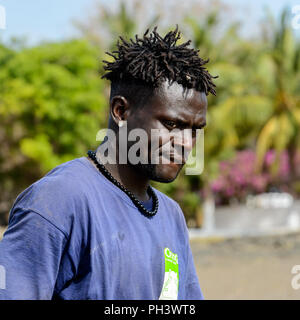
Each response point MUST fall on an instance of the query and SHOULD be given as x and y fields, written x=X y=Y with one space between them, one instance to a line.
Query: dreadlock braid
x=153 y=59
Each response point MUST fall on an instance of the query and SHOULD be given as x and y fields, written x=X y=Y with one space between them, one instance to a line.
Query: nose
x=183 y=141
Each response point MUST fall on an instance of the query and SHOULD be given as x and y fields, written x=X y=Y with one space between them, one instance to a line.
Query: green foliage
x=281 y=129
x=52 y=104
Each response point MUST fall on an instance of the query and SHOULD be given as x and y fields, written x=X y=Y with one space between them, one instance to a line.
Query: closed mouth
x=173 y=158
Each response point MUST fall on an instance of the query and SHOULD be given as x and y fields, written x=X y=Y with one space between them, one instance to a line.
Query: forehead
x=173 y=99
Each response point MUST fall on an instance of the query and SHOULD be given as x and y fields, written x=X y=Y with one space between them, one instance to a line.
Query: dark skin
x=170 y=107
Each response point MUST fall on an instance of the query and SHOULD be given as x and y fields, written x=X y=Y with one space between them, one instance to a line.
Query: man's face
x=170 y=108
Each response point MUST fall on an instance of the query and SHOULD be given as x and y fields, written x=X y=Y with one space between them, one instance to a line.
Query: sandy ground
x=248 y=268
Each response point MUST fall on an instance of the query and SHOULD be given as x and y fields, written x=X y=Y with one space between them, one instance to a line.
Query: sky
x=39 y=20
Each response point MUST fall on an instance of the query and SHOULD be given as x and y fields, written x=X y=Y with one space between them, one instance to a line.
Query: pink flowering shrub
x=237 y=177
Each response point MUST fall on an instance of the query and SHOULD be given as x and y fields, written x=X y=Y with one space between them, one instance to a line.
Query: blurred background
x=243 y=211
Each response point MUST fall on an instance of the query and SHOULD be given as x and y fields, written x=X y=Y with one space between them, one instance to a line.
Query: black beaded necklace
x=136 y=202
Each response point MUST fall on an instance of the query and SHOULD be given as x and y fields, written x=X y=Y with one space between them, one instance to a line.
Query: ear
x=119 y=108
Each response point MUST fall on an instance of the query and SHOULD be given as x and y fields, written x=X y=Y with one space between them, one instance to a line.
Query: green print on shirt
x=171 y=279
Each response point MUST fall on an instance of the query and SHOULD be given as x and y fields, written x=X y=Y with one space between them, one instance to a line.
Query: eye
x=170 y=124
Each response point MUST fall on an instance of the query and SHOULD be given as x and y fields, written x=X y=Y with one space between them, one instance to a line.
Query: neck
x=128 y=176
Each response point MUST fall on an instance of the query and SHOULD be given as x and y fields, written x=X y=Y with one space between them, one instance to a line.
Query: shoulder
x=172 y=214
x=166 y=199
x=57 y=195
x=172 y=206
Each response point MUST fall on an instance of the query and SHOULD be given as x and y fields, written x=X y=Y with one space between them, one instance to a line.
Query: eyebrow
x=182 y=122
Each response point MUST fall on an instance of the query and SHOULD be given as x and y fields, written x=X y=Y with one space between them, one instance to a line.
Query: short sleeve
x=30 y=255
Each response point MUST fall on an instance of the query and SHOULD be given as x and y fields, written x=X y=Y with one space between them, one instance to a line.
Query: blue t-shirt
x=74 y=235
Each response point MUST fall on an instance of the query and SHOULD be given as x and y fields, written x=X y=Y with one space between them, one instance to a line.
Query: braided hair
x=153 y=59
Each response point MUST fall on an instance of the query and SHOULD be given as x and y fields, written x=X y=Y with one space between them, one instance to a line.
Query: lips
x=173 y=158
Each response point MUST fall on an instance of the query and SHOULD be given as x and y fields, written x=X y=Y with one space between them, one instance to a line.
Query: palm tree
x=282 y=87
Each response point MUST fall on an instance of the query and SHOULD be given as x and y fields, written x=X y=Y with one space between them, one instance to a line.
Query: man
x=93 y=228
